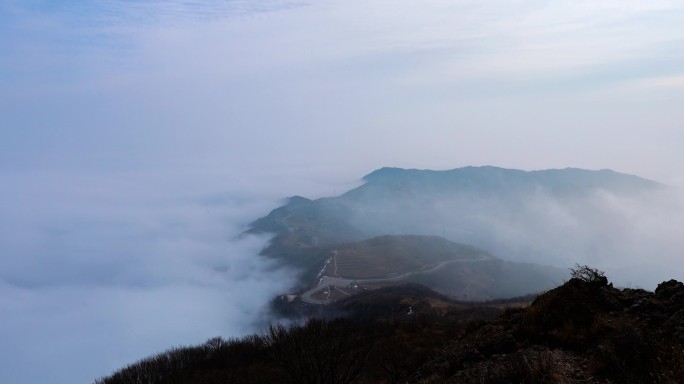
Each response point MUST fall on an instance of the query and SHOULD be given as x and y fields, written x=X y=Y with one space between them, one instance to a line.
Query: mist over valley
x=553 y=218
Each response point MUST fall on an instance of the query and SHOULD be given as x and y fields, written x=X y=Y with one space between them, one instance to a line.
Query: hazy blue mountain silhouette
x=500 y=181
x=552 y=217
x=394 y=200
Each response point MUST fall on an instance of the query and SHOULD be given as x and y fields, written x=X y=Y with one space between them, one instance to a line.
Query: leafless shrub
x=588 y=274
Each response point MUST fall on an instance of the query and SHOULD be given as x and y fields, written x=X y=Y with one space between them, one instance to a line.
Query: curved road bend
x=336 y=282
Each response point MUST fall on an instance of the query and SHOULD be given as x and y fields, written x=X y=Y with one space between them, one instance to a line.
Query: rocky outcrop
x=581 y=331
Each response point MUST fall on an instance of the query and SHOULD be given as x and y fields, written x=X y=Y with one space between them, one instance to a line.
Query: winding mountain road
x=336 y=282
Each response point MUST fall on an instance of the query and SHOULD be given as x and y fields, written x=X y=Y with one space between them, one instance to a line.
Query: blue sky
x=139 y=137
x=152 y=81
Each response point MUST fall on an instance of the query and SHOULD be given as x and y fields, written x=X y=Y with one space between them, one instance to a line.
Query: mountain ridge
x=457 y=270
x=550 y=217
x=493 y=177
x=503 y=211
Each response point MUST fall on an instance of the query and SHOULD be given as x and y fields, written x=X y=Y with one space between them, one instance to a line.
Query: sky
x=139 y=138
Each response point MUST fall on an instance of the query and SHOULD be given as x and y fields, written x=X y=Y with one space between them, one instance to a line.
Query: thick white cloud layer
x=98 y=271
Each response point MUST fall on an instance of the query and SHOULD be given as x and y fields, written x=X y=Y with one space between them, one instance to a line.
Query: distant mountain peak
x=496 y=177
x=296 y=199
x=385 y=172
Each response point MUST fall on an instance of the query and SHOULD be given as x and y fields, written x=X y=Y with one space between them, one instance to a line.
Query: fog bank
x=98 y=271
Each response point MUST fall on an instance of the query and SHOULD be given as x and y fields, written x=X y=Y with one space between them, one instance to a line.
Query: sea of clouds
x=100 y=270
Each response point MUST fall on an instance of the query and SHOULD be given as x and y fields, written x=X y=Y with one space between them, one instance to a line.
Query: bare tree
x=320 y=352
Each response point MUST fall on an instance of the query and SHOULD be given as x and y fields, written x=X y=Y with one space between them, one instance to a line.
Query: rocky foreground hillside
x=585 y=331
